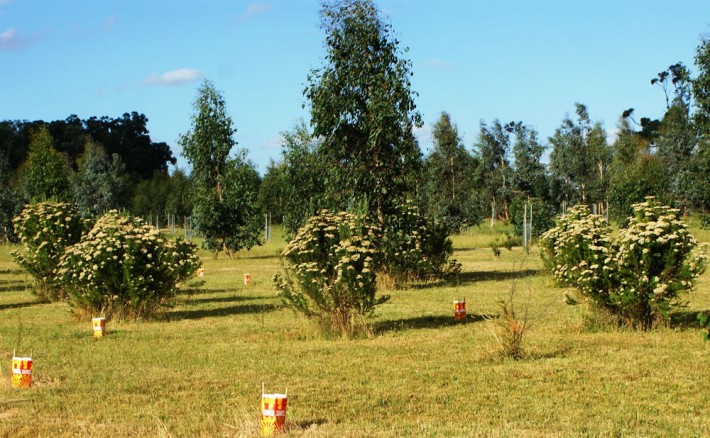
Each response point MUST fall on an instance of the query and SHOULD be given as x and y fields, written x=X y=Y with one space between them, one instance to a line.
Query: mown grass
x=198 y=370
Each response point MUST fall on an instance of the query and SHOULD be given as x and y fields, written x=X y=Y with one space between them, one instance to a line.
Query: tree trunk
x=225 y=248
x=380 y=211
x=453 y=180
x=493 y=213
x=583 y=193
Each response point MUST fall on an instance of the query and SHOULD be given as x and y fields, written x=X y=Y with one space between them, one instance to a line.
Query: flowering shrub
x=416 y=249
x=45 y=229
x=125 y=268
x=639 y=275
x=576 y=251
x=330 y=271
x=653 y=263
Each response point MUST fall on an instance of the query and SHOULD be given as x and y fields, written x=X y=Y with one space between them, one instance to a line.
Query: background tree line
x=668 y=158
x=99 y=164
x=359 y=153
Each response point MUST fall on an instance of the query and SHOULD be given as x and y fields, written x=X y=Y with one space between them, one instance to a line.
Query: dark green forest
x=354 y=155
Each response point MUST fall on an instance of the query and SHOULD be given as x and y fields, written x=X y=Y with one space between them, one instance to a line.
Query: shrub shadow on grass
x=686 y=319
x=229 y=299
x=465 y=249
x=257 y=257
x=306 y=425
x=19 y=305
x=12 y=285
x=428 y=322
x=12 y=271
x=495 y=357
x=427 y=284
x=190 y=292
x=243 y=309
x=552 y=354
x=470 y=277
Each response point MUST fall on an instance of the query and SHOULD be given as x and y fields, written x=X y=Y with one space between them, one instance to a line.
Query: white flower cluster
x=331 y=266
x=654 y=257
x=123 y=262
x=640 y=273
x=578 y=248
x=45 y=229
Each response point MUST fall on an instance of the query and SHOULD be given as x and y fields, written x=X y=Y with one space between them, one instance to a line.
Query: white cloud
x=611 y=135
x=273 y=143
x=120 y=88
x=424 y=136
x=250 y=12
x=439 y=63
x=108 y=23
x=11 y=39
x=176 y=77
x=255 y=9
x=8 y=36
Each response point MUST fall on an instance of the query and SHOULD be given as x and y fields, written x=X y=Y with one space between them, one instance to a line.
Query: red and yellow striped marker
x=459 y=309
x=21 y=372
x=99 y=327
x=273 y=413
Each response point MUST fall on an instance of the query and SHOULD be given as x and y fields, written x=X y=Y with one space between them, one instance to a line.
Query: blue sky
x=520 y=60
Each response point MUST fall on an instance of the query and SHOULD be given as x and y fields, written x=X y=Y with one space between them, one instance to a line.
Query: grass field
x=198 y=371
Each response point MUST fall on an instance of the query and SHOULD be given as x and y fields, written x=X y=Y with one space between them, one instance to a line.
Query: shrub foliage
x=330 y=272
x=415 y=248
x=639 y=275
x=654 y=262
x=45 y=230
x=576 y=251
x=124 y=268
